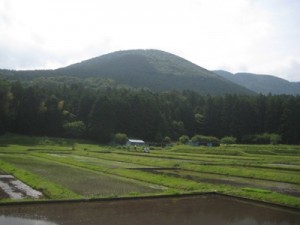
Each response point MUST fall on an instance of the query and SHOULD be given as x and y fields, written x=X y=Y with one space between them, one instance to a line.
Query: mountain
x=153 y=69
x=296 y=84
x=264 y=84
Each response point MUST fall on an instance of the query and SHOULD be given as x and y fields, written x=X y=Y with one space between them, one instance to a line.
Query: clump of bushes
x=228 y=140
x=184 y=139
x=205 y=140
x=74 y=129
x=265 y=138
x=167 y=140
x=120 y=138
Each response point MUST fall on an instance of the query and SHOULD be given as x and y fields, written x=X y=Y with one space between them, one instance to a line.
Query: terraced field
x=62 y=171
x=77 y=179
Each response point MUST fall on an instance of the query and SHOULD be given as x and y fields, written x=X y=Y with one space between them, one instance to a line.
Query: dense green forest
x=75 y=109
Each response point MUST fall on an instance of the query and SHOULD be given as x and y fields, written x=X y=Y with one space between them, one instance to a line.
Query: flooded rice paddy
x=188 y=210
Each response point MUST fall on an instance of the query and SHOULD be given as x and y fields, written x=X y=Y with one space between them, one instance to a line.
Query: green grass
x=72 y=169
x=241 y=150
x=8 y=139
x=241 y=170
x=257 y=190
x=101 y=162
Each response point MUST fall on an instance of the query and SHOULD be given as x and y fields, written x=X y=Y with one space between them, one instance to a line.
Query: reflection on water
x=7 y=220
x=211 y=209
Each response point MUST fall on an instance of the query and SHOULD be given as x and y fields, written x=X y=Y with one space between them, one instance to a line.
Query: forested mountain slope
x=154 y=69
x=98 y=114
x=264 y=84
x=151 y=69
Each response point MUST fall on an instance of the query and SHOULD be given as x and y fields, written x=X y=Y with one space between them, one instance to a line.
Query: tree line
x=77 y=111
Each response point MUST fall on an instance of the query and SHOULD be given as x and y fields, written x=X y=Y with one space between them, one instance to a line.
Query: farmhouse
x=135 y=142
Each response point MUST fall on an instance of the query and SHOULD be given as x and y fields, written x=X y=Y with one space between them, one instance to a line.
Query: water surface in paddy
x=210 y=209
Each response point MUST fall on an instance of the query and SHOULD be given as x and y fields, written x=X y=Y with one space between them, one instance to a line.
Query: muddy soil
x=192 y=210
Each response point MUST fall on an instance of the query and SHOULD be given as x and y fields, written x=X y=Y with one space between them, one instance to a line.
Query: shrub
x=167 y=140
x=205 y=140
x=265 y=138
x=275 y=139
x=184 y=139
x=262 y=138
x=74 y=129
x=228 y=140
x=121 y=138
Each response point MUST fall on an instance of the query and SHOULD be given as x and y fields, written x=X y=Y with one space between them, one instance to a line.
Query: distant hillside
x=263 y=84
x=152 y=69
x=296 y=84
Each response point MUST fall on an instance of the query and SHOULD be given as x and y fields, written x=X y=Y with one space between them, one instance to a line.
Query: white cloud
x=216 y=34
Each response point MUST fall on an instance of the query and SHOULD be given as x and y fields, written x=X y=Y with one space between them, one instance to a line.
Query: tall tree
x=102 y=120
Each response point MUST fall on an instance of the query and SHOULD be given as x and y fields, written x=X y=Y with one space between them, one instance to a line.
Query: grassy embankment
x=68 y=169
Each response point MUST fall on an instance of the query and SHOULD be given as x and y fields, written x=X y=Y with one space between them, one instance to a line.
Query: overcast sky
x=259 y=36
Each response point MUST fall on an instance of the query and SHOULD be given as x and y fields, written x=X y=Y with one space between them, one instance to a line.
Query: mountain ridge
x=262 y=83
x=152 y=69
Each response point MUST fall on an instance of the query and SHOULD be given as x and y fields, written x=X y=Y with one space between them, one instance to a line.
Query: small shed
x=135 y=142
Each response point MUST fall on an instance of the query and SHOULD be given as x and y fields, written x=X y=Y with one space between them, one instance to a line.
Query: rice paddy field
x=65 y=169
